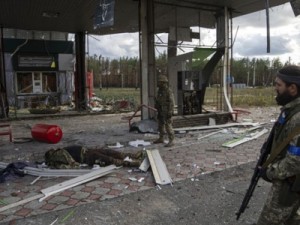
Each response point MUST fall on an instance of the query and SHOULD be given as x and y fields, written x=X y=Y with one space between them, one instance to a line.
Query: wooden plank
x=159 y=169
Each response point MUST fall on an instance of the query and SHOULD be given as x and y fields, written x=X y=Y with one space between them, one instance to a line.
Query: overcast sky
x=250 y=31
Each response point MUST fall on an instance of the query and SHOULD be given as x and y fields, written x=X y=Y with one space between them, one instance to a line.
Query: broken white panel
x=159 y=169
x=255 y=135
x=247 y=130
x=141 y=179
x=211 y=121
x=217 y=126
x=210 y=134
x=145 y=165
x=46 y=172
x=132 y=178
x=63 y=186
x=127 y=159
x=247 y=120
x=23 y=201
x=139 y=143
x=35 y=180
x=118 y=145
x=77 y=181
x=180 y=34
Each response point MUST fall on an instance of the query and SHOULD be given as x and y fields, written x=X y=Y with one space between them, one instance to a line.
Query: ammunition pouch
x=289 y=191
x=295 y=184
x=264 y=176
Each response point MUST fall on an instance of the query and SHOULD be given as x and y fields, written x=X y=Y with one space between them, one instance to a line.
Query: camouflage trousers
x=105 y=157
x=165 y=125
x=274 y=212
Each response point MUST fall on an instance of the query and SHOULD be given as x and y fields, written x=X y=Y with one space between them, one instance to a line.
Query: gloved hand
x=264 y=175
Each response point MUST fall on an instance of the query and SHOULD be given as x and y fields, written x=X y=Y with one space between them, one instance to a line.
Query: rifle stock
x=265 y=150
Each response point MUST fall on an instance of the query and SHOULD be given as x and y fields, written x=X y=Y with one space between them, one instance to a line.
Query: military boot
x=134 y=163
x=137 y=155
x=140 y=155
x=159 y=140
x=170 y=144
x=118 y=162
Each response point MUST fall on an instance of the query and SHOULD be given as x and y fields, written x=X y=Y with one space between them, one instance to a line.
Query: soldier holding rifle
x=279 y=162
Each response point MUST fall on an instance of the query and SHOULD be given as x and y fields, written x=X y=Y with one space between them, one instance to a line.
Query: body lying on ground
x=70 y=157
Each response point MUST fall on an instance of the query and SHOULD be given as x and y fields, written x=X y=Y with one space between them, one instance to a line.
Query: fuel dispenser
x=189 y=92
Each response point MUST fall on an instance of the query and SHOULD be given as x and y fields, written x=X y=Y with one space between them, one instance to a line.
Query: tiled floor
x=188 y=158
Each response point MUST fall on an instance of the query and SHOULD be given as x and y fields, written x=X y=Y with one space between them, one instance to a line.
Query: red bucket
x=46 y=133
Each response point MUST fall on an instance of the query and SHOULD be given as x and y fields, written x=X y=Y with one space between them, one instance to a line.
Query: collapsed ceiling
x=73 y=16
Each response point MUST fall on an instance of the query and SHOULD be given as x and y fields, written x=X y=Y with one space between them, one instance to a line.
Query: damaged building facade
x=39 y=68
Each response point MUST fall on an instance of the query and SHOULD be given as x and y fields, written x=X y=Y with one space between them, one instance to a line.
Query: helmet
x=162 y=78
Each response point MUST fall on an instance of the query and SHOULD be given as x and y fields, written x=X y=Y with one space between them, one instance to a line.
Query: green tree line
x=125 y=71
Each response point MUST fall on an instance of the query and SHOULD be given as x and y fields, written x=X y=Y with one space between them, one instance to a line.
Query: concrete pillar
x=148 y=78
x=223 y=42
x=4 y=108
x=80 y=73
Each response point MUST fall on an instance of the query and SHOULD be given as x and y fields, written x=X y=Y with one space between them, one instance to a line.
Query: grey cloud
x=114 y=46
x=278 y=16
x=257 y=45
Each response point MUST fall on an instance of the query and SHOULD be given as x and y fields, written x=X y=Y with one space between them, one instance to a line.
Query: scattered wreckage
x=153 y=160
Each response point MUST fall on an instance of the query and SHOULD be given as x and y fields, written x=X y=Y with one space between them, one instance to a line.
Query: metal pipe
x=268 y=25
x=225 y=61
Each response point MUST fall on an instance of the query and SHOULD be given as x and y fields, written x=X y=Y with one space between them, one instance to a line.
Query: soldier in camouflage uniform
x=71 y=157
x=164 y=103
x=284 y=172
x=60 y=159
x=105 y=157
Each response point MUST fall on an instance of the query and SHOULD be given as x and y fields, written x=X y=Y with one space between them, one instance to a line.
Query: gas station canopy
x=73 y=16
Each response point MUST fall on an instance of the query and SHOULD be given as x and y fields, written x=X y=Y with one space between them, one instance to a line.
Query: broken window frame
x=46 y=82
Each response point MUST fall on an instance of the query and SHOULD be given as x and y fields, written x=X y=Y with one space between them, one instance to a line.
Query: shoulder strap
x=281 y=146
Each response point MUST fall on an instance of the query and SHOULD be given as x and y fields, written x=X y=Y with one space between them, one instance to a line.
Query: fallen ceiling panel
x=78 y=15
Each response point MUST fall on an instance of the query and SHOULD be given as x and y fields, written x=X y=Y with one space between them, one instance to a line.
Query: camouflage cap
x=162 y=78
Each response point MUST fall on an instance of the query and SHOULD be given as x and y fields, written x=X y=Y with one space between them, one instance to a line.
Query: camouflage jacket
x=60 y=159
x=287 y=163
x=164 y=102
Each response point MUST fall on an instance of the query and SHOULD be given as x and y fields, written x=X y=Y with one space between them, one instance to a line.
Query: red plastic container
x=46 y=133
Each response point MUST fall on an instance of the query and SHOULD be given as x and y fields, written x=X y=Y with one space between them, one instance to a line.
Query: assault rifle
x=265 y=150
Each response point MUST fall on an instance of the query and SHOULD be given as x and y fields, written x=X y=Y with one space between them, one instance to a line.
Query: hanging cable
x=20 y=46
